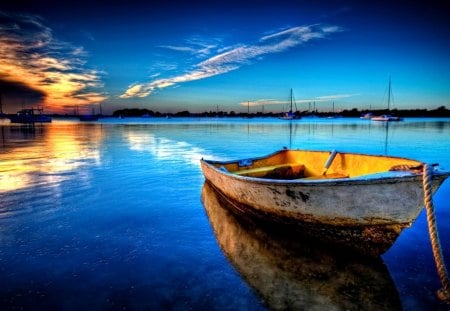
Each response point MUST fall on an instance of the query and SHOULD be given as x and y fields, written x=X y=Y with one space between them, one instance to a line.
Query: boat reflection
x=293 y=273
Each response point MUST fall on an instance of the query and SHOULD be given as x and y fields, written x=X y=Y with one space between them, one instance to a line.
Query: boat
x=333 y=115
x=2 y=115
x=289 y=271
x=249 y=116
x=33 y=115
x=289 y=115
x=367 y=116
x=88 y=117
x=357 y=200
x=387 y=117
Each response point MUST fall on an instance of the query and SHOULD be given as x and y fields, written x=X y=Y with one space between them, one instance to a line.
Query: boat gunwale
x=359 y=180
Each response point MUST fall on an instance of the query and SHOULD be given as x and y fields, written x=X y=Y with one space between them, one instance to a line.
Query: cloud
x=17 y=89
x=195 y=46
x=332 y=97
x=179 y=48
x=31 y=57
x=135 y=91
x=233 y=58
x=264 y=102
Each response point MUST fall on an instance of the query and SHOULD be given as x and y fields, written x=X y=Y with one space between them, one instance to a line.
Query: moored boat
x=290 y=115
x=33 y=115
x=88 y=117
x=357 y=199
x=386 y=117
x=367 y=116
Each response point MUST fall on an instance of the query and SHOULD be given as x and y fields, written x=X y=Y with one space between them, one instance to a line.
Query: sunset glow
x=195 y=56
x=65 y=151
x=45 y=65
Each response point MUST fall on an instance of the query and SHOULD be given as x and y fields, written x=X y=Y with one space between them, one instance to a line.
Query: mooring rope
x=444 y=292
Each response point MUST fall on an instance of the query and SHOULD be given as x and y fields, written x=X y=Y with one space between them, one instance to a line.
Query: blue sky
x=168 y=57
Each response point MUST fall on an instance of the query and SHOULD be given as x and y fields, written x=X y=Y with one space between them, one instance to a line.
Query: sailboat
x=33 y=115
x=334 y=116
x=387 y=117
x=367 y=116
x=2 y=115
x=89 y=117
x=248 y=110
x=289 y=115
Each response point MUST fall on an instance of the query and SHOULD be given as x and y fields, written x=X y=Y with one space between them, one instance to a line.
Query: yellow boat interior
x=296 y=164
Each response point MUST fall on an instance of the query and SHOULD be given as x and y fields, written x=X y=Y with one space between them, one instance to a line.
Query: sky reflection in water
x=109 y=214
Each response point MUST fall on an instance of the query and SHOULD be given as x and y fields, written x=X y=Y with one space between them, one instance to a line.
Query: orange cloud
x=29 y=55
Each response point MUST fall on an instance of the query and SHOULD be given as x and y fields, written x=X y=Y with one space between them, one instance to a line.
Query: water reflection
x=165 y=149
x=34 y=155
x=289 y=273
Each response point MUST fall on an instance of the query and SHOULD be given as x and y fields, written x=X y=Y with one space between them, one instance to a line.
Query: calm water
x=109 y=216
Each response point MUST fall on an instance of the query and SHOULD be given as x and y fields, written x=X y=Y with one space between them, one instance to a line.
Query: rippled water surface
x=109 y=215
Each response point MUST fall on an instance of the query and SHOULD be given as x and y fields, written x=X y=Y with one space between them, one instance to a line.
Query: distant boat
x=88 y=117
x=289 y=115
x=33 y=115
x=334 y=116
x=358 y=200
x=2 y=115
x=387 y=117
x=248 y=110
x=367 y=116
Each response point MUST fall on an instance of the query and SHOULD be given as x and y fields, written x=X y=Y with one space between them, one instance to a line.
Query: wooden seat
x=327 y=176
x=273 y=171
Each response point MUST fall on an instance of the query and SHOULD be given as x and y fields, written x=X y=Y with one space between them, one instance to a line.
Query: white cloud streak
x=195 y=46
x=233 y=58
x=265 y=102
x=179 y=48
x=337 y=96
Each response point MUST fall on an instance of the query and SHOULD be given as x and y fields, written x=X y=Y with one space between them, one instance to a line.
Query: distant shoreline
x=441 y=112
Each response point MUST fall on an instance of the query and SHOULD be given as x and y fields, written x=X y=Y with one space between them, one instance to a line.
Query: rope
x=444 y=292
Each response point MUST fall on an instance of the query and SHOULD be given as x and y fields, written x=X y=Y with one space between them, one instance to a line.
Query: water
x=108 y=216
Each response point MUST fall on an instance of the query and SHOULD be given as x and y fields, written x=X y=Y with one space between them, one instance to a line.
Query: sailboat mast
x=291 y=99
x=389 y=94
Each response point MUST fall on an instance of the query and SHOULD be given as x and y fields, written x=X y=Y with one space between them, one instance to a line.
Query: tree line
x=441 y=111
